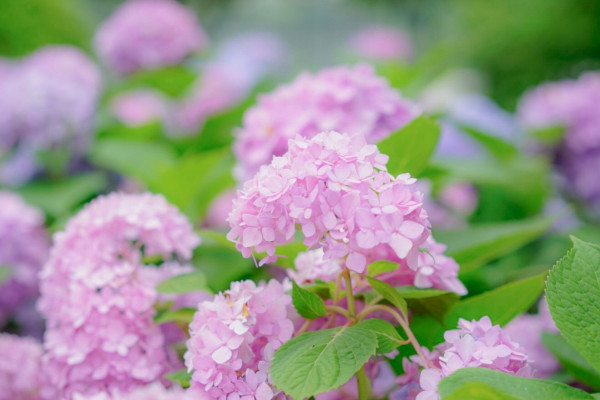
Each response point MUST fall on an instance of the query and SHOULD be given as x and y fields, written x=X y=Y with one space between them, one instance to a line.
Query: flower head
x=233 y=337
x=382 y=43
x=148 y=34
x=353 y=101
x=98 y=292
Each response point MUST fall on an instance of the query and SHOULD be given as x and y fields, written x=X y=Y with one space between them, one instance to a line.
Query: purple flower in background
x=381 y=43
x=139 y=107
x=148 y=34
x=351 y=100
x=527 y=330
x=24 y=250
x=48 y=101
x=21 y=373
x=99 y=297
x=575 y=106
x=239 y=64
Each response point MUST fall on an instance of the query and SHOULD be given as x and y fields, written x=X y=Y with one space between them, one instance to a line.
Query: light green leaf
x=573 y=295
x=549 y=136
x=181 y=377
x=288 y=253
x=5 y=274
x=138 y=159
x=478 y=244
x=172 y=80
x=183 y=315
x=411 y=147
x=501 y=304
x=381 y=267
x=488 y=384
x=184 y=283
x=389 y=293
x=62 y=197
x=498 y=147
x=316 y=362
x=388 y=338
x=571 y=361
x=308 y=304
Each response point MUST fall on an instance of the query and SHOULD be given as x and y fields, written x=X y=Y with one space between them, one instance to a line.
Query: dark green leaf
x=308 y=304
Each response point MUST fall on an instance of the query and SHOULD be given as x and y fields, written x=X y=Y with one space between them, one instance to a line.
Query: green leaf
x=431 y=302
x=172 y=80
x=388 y=338
x=62 y=197
x=5 y=274
x=308 y=304
x=389 y=293
x=316 y=362
x=501 y=304
x=572 y=361
x=478 y=244
x=498 y=147
x=138 y=159
x=411 y=147
x=381 y=267
x=184 y=283
x=488 y=384
x=195 y=180
x=288 y=253
x=181 y=377
x=183 y=315
x=573 y=295
x=550 y=136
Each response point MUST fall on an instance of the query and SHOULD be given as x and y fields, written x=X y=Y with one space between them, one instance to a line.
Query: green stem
x=364 y=384
x=349 y=294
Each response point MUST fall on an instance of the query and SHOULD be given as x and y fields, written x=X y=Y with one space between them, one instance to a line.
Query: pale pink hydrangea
x=21 y=373
x=219 y=209
x=98 y=295
x=148 y=34
x=233 y=337
x=139 y=107
x=48 y=101
x=23 y=250
x=351 y=100
x=473 y=344
x=154 y=391
x=527 y=330
x=312 y=266
x=336 y=189
x=382 y=43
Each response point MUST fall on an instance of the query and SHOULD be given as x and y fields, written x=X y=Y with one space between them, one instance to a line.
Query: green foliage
x=172 y=80
x=573 y=295
x=316 y=362
x=571 y=361
x=59 y=198
x=431 y=302
x=381 y=267
x=411 y=147
x=183 y=315
x=501 y=304
x=476 y=245
x=488 y=384
x=184 y=283
x=308 y=304
x=496 y=146
x=389 y=293
x=181 y=377
x=388 y=338
x=5 y=274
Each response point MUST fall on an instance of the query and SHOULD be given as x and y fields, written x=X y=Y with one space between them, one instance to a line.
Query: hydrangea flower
x=572 y=104
x=473 y=344
x=153 y=391
x=233 y=337
x=21 y=373
x=382 y=43
x=48 y=102
x=98 y=294
x=351 y=100
x=24 y=250
x=527 y=330
x=336 y=189
x=312 y=266
x=148 y=34
x=139 y=107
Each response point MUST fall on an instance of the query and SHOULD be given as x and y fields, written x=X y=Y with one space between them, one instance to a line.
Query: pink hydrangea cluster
x=21 y=373
x=98 y=293
x=382 y=43
x=311 y=266
x=154 y=391
x=336 y=188
x=233 y=337
x=473 y=344
x=527 y=330
x=572 y=104
x=139 y=107
x=24 y=250
x=148 y=34
x=351 y=100
x=48 y=101
x=452 y=205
